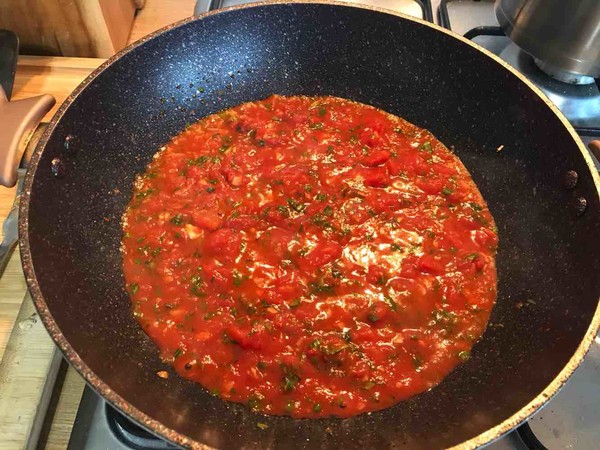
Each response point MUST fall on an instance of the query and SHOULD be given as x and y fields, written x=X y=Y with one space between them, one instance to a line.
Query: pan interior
x=547 y=297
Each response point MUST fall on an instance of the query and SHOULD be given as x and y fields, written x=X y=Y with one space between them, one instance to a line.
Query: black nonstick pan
x=526 y=159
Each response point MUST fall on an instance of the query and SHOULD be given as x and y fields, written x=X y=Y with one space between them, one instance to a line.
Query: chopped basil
x=238 y=278
x=373 y=317
x=177 y=219
x=289 y=382
x=322 y=111
x=368 y=385
x=284 y=211
x=255 y=401
x=197 y=291
x=317 y=407
x=134 y=288
x=145 y=193
x=321 y=197
x=417 y=361
x=320 y=287
x=346 y=335
x=465 y=355
x=427 y=147
x=335 y=272
x=177 y=353
x=391 y=303
x=447 y=191
x=296 y=206
x=210 y=189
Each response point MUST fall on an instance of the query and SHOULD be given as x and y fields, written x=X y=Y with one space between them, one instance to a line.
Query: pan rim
x=176 y=437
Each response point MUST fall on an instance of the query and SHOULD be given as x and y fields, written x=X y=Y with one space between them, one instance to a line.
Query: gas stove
x=570 y=420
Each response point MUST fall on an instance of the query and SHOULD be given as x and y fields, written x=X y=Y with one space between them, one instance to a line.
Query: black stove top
x=570 y=420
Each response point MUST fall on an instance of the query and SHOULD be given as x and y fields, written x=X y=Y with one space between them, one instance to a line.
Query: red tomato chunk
x=310 y=257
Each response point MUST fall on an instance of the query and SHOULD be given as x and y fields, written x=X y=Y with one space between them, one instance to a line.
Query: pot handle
x=594 y=147
x=18 y=121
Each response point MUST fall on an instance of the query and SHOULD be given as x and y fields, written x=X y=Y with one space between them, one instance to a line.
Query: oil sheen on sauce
x=310 y=256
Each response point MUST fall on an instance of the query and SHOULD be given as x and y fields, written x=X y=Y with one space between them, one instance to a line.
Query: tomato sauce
x=310 y=256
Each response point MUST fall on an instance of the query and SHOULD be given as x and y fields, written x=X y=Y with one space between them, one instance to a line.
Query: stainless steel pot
x=562 y=35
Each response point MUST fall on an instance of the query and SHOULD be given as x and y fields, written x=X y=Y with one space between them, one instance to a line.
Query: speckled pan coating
x=545 y=318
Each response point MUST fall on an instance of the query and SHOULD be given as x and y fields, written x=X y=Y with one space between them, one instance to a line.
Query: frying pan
x=526 y=159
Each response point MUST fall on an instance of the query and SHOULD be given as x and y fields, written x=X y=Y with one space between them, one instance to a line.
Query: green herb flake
x=322 y=111
x=391 y=302
x=368 y=385
x=134 y=288
x=177 y=353
x=417 y=362
x=317 y=408
x=320 y=287
x=289 y=382
x=197 y=291
x=238 y=278
x=447 y=191
x=177 y=219
x=262 y=425
x=284 y=211
x=465 y=355
x=295 y=303
x=255 y=403
x=373 y=317
x=295 y=205
x=145 y=193
x=471 y=257
x=346 y=335
x=210 y=189
x=321 y=197
x=427 y=147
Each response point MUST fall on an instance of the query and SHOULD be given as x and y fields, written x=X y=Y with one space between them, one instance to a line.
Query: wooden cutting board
x=29 y=360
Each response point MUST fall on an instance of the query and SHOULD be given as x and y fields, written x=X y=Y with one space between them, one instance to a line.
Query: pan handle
x=18 y=121
x=594 y=147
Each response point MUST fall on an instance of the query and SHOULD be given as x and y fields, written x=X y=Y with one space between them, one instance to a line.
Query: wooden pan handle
x=594 y=147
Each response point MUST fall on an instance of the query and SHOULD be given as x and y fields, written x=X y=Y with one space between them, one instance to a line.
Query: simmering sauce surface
x=310 y=256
